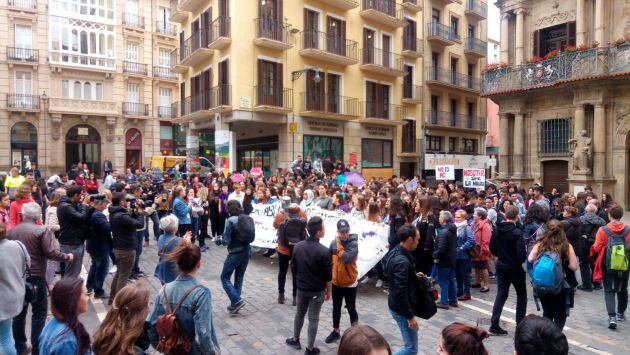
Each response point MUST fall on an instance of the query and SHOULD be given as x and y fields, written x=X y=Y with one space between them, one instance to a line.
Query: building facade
x=275 y=79
x=565 y=102
x=86 y=82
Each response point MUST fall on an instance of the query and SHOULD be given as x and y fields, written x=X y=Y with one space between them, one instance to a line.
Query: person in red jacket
x=22 y=195
x=615 y=282
x=482 y=228
x=91 y=185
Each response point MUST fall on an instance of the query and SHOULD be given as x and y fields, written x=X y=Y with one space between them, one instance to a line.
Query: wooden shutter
x=571 y=33
x=535 y=44
x=223 y=8
x=182 y=98
x=279 y=85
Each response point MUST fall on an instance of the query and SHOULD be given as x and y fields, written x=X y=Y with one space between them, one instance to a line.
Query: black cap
x=343 y=226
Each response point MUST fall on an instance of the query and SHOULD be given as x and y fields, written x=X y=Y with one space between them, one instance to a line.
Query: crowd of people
x=456 y=238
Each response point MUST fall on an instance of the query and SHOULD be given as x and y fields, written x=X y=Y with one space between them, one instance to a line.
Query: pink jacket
x=483 y=233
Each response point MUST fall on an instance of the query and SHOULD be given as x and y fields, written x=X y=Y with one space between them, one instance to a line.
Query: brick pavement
x=263 y=325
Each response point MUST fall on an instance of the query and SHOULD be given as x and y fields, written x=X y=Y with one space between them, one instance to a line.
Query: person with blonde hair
x=123 y=331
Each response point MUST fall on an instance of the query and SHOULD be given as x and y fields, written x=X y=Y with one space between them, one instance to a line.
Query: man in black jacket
x=73 y=217
x=590 y=224
x=124 y=225
x=508 y=245
x=98 y=246
x=445 y=256
x=403 y=286
x=313 y=267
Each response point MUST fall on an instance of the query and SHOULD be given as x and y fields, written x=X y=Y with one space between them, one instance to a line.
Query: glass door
x=23 y=89
x=23 y=42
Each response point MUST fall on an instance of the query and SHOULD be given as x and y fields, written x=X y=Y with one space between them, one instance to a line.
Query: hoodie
x=309 y=200
x=598 y=250
x=508 y=245
x=590 y=223
x=572 y=228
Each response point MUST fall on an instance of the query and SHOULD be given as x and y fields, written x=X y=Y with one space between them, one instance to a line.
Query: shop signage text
x=459 y=161
x=379 y=132
x=323 y=127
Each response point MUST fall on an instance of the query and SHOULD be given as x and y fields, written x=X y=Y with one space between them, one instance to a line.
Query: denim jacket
x=181 y=210
x=234 y=246
x=58 y=339
x=465 y=241
x=195 y=314
x=166 y=271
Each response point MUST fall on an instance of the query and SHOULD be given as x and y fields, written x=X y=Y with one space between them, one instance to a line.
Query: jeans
x=616 y=285
x=586 y=265
x=194 y=227
x=139 y=240
x=156 y=226
x=504 y=280
x=7 y=345
x=409 y=336
x=98 y=271
x=310 y=301
x=448 y=290
x=237 y=264
x=285 y=261
x=124 y=267
x=555 y=308
x=38 y=320
x=350 y=295
x=73 y=268
x=462 y=274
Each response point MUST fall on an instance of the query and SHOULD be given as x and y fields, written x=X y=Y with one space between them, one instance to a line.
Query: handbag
x=424 y=306
x=31 y=290
x=475 y=250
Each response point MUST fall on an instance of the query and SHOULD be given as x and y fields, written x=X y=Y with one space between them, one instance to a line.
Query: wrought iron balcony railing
x=23 y=101
x=476 y=45
x=445 y=76
x=132 y=20
x=477 y=6
x=220 y=28
x=135 y=109
x=436 y=29
x=382 y=110
x=197 y=40
x=412 y=92
x=329 y=104
x=273 y=96
x=23 y=4
x=329 y=43
x=165 y=28
x=271 y=29
x=383 y=58
x=166 y=111
x=207 y=100
x=387 y=7
x=15 y=54
x=412 y=44
x=135 y=68
x=453 y=120
x=164 y=73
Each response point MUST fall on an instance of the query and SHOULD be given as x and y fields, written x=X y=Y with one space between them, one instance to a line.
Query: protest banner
x=444 y=172
x=372 y=237
x=474 y=178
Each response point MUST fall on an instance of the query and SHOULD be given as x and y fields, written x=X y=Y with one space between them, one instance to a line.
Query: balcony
x=165 y=29
x=83 y=107
x=412 y=5
x=446 y=78
x=167 y=111
x=385 y=12
x=60 y=59
x=412 y=47
x=133 y=21
x=195 y=49
x=381 y=113
x=329 y=48
x=201 y=105
x=342 y=4
x=442 y=119
x=23 y=5
x=164 y=73
x=22 y=103
x=591 y=64
x=445 y=2
x=191 y=5
x=220 y=34
x=273 y=99
x=441 y=35
x=382 y=62
x=22 y=56
x=177 y=14
x=332 y=107
x=410 y=147
x=135 y=68
x=412 y=94
x=272 y=34
x=135 y=109
x=476 y=9
x=176 y=66
x=475 y=48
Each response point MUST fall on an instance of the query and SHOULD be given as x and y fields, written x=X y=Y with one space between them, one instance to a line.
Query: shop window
x=322 y=146
x=376 y=153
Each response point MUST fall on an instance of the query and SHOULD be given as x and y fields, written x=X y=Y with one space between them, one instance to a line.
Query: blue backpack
x=547 y=274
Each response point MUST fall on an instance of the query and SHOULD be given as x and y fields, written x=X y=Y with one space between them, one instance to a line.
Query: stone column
x=519 y=133
x=580 y=22
x=503 y=145
x=505 y=29
x=520 y=34
x=599 y=21
x=599 y=141
x=578 y=122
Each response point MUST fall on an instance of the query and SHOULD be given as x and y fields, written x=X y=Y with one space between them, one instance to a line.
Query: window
x=409 y=137
x=554 y=136
x=65 y=89
x=133 y=92
x=452 y=143
x=455 y=25
x=376 y=153
x=87 y=91
x=434 y=143
x=435 y=15
x=84 y=42
x=23 y=37
x=132 y=52
x=77 y=90
x=469 y=145
x=99 y=91
x=322 y=146
x=75 y=40
x=164 y=58
x=377 y=100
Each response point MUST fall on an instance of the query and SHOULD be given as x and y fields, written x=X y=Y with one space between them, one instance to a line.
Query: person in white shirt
x=111 y=179
x=237 y=194
x=318 y=166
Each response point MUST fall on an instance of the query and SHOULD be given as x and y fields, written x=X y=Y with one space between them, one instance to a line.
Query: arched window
x=84 y=42
x=64 y=39
x=76 y=90
x=101 y=44
x=87 y=91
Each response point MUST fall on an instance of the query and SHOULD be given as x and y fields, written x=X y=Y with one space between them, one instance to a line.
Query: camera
x=97 y=197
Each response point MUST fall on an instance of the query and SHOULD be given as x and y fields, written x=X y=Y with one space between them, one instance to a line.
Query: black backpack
x=292 y=231
x=245 y=229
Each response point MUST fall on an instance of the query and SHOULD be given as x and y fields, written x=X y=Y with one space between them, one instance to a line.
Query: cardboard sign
x=474 y=178
x=444 y=172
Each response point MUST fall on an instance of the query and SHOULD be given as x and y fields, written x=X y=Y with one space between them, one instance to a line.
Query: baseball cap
x=343 y=226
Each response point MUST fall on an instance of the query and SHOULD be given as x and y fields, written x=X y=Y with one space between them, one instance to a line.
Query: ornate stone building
x=564 y=70
x=85 y=82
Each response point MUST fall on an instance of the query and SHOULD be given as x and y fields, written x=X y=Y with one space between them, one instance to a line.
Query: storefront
x=83 y=144
x=377 y=151
x=258 y=152
x=206 y=145
x=133 y=149
x=179 y=141
x=323 y=139
x=23 y=144
x=166 y=138
x=458 y=161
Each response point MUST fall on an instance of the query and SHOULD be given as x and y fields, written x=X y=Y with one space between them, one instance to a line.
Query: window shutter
x=536 y=50
x=571 y=33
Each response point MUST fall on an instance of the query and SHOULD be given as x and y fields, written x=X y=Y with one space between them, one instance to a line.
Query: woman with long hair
x=204 y=216
x=214 y=208
x=572 y=226
x=64 y=333
x=363 y=340
x=339 y=203
x=606 y=201
x=374 y=213
x=482 y=228
x=360 y=206
x=123 y=331
x=24 y=194
x=181 y=210
x=462 y=339
x=195 y=210
x=397 y=219
x=534 y=224
x=91 y=185
x=425 y=221
x=555 y=241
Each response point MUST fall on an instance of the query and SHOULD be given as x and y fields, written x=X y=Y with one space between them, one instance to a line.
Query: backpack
x=292 y=231
x=617 y=250
x=245 y=229
x=171 y=341
x=547 y=274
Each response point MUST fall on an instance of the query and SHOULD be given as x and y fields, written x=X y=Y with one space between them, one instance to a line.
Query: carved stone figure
x=582 y=152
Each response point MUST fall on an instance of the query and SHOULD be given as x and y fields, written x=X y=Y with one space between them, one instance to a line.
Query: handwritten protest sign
x=372 y=237
x=444 y=172
x=474 y=178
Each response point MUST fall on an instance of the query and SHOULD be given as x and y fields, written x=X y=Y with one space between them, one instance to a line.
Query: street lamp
x=44 y=98
x=295 y=75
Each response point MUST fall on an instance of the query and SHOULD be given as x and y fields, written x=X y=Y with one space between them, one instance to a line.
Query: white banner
x=474 y=178
x=372 y=236
x=444 y=172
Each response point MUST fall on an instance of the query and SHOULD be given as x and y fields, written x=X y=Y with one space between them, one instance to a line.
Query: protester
x=99 y=246
x=38 y=243
x=13 y=181
x=22 y=196
x=124 y=329
x=64 y=333
x=313 y=267
x=591 y=223
x=14 y=261
x=166 y=270
x=74 y=216
x=363 y=340
x=536 y=335
x=482 y=228
x=195 y=313
x=5 y=208
x=291 y=225
x=344 y=250
x=461 y=339
x=445 y=256
x=181 y=210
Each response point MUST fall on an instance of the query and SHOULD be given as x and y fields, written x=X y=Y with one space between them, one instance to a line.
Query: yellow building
x=85 y=82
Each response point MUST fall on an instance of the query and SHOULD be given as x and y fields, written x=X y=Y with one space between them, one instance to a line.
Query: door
x=407 y=170
x=409 y=36
x=224 y=14
x=470 y=114
x=315 y=100
x=387 y=49
x=269 y=83
x=271 y=19
x=336 y=36
x=164 y=13
x=132 y=58
x=224 y=83
x=434 y=108
x=408 y=82
x=23 y=89
x=23 y=42
x=133 y=98
x=368 y=46
x=311 y=29
x=454 y=80
x=195 y=40
x=83 y=144
x=555 y=174
x=131 y=13
x=165 y=103
x=435 y=60
x=205 y=24
x=333 y=84
x=453 y=113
